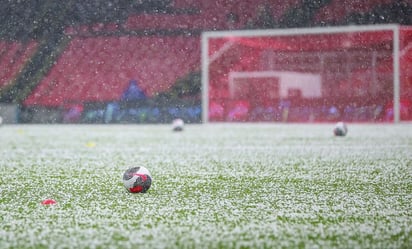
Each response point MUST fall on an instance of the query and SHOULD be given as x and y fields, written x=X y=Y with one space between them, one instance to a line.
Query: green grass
x=215 y=186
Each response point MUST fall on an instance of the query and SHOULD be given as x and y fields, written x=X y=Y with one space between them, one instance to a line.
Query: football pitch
x=214 y=186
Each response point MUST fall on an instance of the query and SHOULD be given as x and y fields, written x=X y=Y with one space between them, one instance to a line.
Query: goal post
x=353 y=73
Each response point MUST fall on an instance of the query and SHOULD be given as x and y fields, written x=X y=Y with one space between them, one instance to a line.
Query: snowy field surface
x=215 y=186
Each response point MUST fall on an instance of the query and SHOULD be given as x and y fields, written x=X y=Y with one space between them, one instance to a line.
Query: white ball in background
x=340 y=129
x=178 y=124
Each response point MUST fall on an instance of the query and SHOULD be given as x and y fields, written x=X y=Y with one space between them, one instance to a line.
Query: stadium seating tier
x=99 y=68
x=13 y=56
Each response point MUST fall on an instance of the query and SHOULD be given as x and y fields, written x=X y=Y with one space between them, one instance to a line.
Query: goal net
x=353 y=73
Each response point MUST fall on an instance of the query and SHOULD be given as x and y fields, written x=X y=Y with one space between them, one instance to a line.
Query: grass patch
x=215 y=186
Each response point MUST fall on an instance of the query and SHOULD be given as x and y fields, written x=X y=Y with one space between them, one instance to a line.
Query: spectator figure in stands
x=239 y=111
x=284 y=107
x=73 y=113
x=133 y=92
x=130 y=99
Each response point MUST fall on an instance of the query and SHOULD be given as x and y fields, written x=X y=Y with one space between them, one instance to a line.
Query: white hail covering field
x=214 y=186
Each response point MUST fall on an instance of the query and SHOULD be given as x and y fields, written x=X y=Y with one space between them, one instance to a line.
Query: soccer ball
x=340 y=129
x=178 y=124
x=137 y=180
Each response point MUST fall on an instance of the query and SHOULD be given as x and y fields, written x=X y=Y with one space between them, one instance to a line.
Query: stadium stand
x=155 y=42
x=13 y=56
x=96 y=68
x=337 y=10
x=364 y=12
x=211 y=15
x=99 y=68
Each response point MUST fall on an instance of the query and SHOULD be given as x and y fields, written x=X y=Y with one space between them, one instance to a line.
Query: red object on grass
x=48 y=202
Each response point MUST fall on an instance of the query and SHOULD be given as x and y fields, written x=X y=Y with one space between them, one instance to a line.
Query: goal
x=351 y=73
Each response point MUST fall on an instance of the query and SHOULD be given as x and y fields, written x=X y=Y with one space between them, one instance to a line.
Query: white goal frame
x=206 y=59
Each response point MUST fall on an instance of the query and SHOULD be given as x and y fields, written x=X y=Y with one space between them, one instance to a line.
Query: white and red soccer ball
x=340 y=129
x=137 y=180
